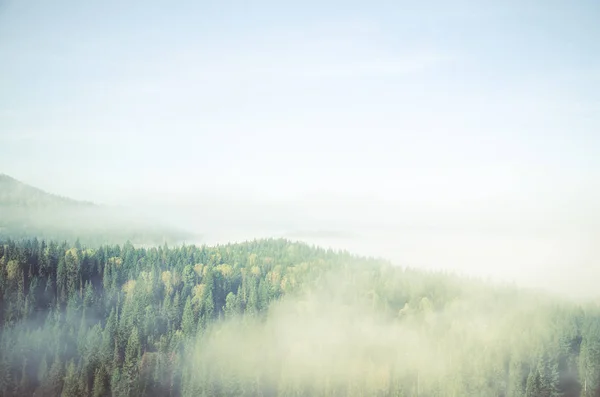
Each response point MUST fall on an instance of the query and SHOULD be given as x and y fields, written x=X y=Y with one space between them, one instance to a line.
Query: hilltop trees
x=271 y=317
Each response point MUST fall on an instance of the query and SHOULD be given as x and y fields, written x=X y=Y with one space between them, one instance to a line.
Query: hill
x=26 y=211
x=275 y=318
x=14 y=193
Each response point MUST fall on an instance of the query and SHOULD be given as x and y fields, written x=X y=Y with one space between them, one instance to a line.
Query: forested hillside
x=274 y=318
x=27 y=212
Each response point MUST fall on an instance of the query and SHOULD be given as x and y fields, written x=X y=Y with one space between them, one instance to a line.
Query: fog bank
x=545 y=247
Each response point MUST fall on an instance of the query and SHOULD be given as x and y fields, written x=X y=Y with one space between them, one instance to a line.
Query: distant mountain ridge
x=27 y=211
x=16 y=193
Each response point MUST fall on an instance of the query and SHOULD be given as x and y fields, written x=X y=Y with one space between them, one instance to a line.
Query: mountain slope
x=15 y=193
x=26 y=211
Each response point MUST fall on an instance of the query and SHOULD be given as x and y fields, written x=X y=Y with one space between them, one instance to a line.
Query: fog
x=316 y=342
x=92 y=225
x=550 y=246
x=332 y=337
x=367 y=130
x=452 y=138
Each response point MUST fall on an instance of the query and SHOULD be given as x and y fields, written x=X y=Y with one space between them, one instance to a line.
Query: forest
x=277 y=318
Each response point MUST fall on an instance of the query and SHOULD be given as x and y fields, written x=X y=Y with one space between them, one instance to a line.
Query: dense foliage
x=270 y=318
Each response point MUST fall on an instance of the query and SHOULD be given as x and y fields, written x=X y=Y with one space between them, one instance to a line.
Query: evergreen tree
x=590 y=360
x=231 y=305
x=70 y=388
x=99 y=389
x=188 y=323
x=52 y=385
x=132 y=355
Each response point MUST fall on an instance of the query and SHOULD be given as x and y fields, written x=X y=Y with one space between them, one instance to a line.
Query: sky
x=440 y=108
x=280 y=100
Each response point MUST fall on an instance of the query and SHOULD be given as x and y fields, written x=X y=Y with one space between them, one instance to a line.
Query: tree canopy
x=276 y=318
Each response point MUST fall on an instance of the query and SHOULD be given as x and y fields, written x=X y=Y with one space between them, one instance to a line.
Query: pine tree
x=264 y=294
x=132 y=355
x=175 y=313
x=533 y=388
x=88 y=296
x=231 y=305
x=589 y=362
x=116 y=384
x=188 y=323
x=53 y=384
x=516 y=379
x=70 y=388
x=108 y=339
x=61 y=281
x=99 y=389
x=551 y=377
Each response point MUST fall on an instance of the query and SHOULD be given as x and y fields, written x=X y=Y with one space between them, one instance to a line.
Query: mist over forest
x=272 y=317
x=299 y=199
x=540 y=247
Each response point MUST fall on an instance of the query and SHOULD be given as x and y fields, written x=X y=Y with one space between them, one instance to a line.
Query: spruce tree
x=188 y=323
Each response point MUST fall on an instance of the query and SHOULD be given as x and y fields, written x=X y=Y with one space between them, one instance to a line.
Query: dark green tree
x=188 y=322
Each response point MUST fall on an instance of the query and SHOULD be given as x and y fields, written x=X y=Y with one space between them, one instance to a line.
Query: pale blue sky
x=444 y=101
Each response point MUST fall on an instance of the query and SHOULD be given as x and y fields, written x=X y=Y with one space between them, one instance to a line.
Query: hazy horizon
x=462 y=137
